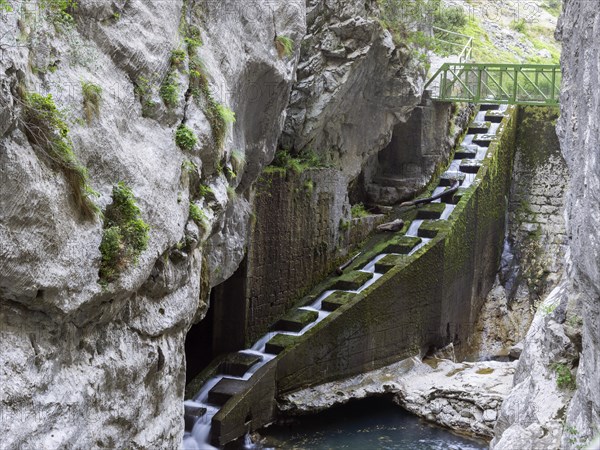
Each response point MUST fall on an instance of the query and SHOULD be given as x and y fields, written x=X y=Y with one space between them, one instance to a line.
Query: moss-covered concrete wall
x=302 y=229
x=428 y=300
x=537 y=227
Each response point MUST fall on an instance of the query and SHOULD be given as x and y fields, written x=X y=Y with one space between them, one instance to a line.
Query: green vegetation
x=4 y=6
x=564 y=376
x=219 y=116
x=206 y=192
x=198 y=216
x=284 y=45
x=306 y=159
x=59 y=11
x=185 y=138
x=169 y=90
x=451 y=18
x=359 y=211
x=519 y=25
x=92 y=96
x=46 y=127
x=177 y=57
x=125 y=234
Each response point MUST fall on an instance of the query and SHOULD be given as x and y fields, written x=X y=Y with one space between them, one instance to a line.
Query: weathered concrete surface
x=297 y=239
x=536 y=241
x=465 y=397
x=82 y=367
x=578 y=299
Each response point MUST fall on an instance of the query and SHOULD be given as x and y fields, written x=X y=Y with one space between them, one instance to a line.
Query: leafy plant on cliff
x=92 y=96
x=125 y=234
x=284 y=45
x=185 y=138
x=169 y=90
x=46 y=128
x=564 y=376
x=178 y=57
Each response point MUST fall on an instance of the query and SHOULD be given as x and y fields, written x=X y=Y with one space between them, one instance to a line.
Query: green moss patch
x=388 y=262
x=431 y=211
x=337 y=299
x=125 y=234
x=470 y=165
x=402 y=244
x=296 y=320
x=485 y=371
x=479 y=127
x=431 y=228
x=351 y=281
x=279 y=343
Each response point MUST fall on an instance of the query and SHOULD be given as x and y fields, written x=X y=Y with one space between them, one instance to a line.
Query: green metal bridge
x=513 y=84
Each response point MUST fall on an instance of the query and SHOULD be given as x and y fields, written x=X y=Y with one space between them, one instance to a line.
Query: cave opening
x=223 y=329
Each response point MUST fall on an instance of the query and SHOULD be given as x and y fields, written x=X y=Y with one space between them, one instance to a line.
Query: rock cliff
x=89 y=364
x=143 y=93
x=556 y=398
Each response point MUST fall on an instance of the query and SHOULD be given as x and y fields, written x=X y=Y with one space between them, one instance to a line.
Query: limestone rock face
x=538 y=412
x=89 y=367
x=465 y=397
x=353 y=85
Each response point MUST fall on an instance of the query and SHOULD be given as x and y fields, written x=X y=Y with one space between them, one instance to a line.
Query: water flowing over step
x=237 y=370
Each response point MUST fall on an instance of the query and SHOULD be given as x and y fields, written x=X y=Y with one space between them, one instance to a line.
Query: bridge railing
x=454 y=43
x=524 y=84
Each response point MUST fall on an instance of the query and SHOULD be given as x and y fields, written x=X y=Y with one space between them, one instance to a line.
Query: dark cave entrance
x=223 y=329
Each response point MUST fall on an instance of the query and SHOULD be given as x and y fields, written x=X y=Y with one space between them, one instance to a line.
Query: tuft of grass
x=359 y=211
x=198 y=216
x=46 y=128
x=185 y=138
x=284 y=46
x=92 y=97
x=125 y=234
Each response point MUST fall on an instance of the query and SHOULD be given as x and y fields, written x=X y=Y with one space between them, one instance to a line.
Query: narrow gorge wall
x=541 y=412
